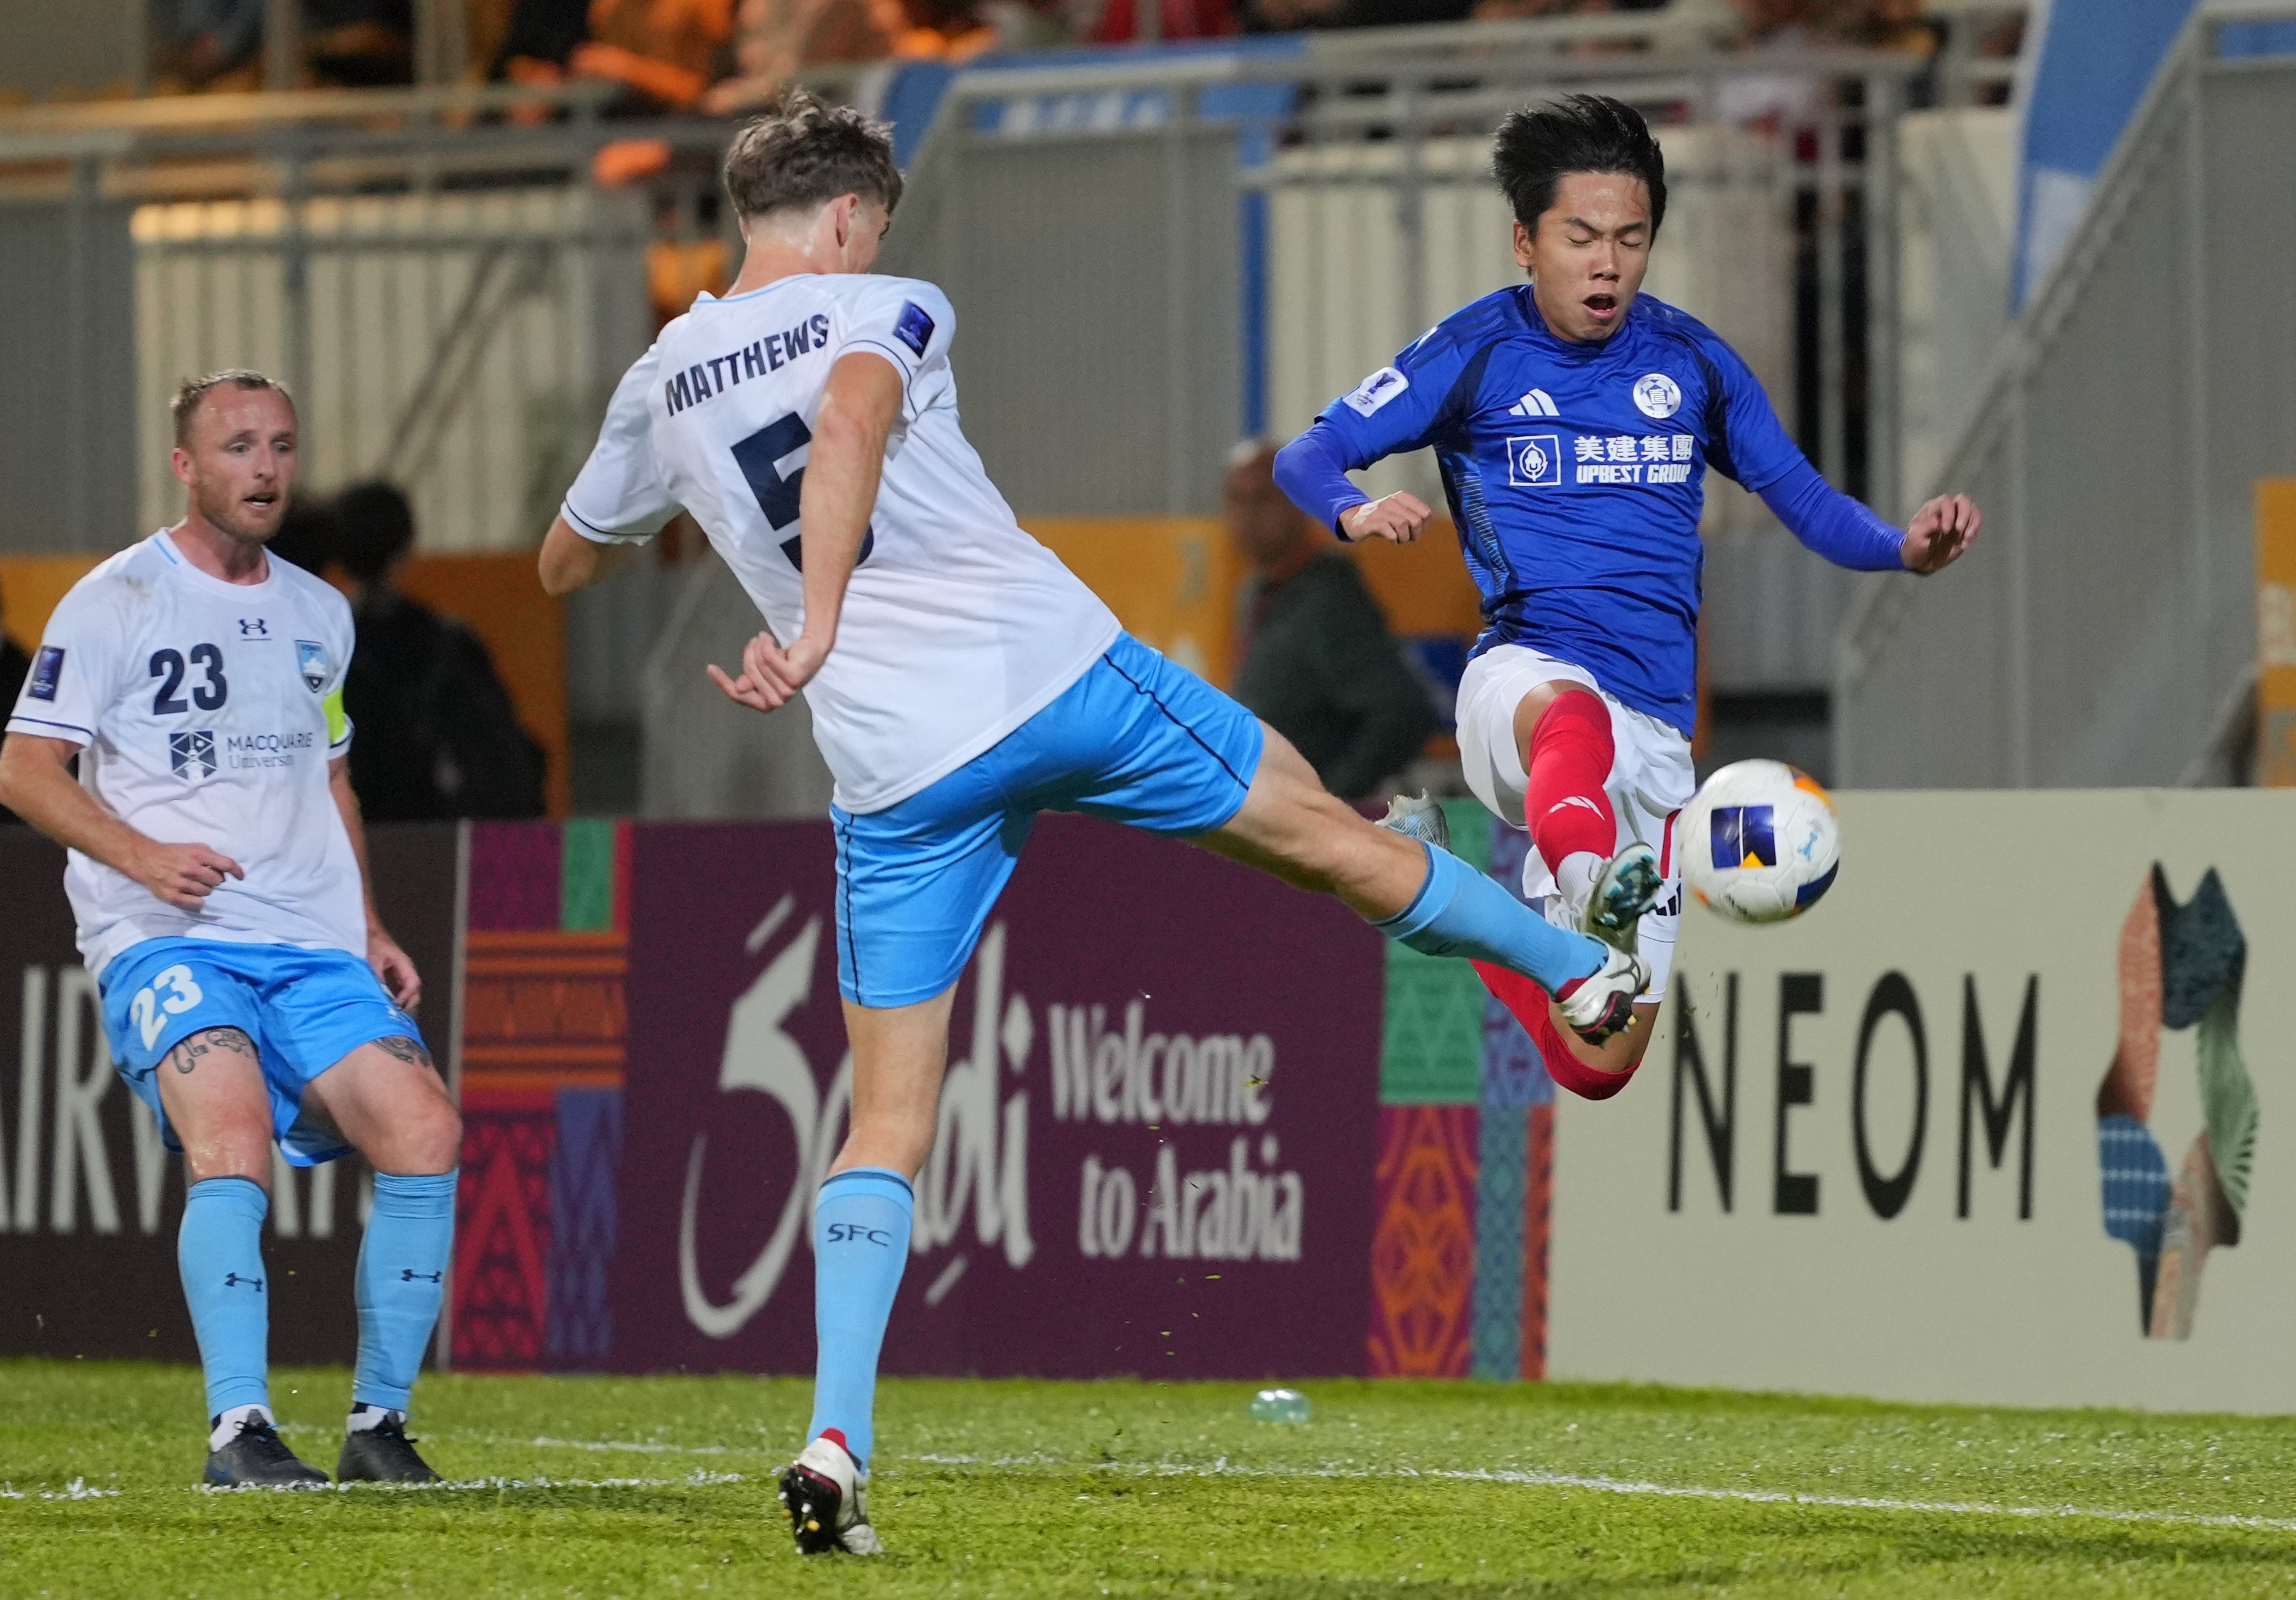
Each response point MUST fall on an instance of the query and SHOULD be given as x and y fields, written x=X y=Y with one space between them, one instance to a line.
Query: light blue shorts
x=306 y=1010
x=1135 y=740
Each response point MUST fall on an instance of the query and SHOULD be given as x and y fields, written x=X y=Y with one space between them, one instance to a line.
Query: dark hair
x=803 y=151
x=373 y=527
x=191 y=391
x=1579 y=133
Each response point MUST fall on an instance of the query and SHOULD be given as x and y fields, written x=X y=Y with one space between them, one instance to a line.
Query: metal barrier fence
x=2105 y=632
x=450 y=296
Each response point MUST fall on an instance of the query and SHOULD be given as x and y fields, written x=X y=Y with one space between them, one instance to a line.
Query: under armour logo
x=409 y=1276
x=233 y=1280
x=1574 y=799
x=254 y=627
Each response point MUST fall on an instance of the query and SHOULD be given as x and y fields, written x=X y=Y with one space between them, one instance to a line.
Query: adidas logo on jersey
x=1536 y=403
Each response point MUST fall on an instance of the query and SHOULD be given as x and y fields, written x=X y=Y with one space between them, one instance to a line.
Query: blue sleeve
x=1399 y=408
x=1832 y=524
x=1312 y=471
x=1745 y=440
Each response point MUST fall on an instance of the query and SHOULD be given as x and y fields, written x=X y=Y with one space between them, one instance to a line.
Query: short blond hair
x=192 y=391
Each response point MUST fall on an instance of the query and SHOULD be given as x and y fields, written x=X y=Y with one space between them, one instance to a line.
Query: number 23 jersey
x=207 y=713
x=957 y=627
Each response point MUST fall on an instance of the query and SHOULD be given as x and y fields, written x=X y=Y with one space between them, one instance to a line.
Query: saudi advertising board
x=2009 y=1117
x=1156 y=1135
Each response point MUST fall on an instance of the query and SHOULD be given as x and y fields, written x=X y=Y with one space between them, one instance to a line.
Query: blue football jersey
x=1575 y=475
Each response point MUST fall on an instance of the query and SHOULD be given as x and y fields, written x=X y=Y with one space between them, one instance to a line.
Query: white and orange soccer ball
x=1761 y=842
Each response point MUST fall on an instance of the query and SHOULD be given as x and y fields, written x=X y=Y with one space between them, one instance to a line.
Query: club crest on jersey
x=1536 y=461
x=311 y=656
x=1657 y=396
x=191 y=754
x=1376 y=390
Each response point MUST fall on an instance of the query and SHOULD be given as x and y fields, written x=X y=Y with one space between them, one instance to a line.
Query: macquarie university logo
x=191 y=754
x=311 y=656
x=1535 y=461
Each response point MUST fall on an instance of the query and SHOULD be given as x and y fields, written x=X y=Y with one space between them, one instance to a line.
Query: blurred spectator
x=1315 y=661
x=1119 y=19
x=437 y=734
x=308 y=535
x=360 y=44
x=15 y=666
x=208 y=43
x=664 y=52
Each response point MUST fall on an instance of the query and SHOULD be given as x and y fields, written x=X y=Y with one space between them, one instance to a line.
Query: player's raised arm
x=1753 y=447
x=1397 y=409
x=858 y=408
x=618 y=501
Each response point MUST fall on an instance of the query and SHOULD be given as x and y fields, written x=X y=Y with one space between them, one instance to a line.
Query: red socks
x=1529 y=1004
x=1569 y=762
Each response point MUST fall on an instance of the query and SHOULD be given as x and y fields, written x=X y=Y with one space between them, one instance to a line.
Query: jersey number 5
x=168 y=667
x=759 y=456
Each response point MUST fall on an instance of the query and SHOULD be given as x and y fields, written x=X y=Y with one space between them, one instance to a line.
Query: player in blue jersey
x=1574 y=421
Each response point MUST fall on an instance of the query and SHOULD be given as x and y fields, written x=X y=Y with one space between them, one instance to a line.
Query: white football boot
x=1418 y=817
x=1603 y=1002
x=825 y=1500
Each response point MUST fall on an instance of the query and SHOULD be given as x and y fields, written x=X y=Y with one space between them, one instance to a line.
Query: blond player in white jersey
x=250 y=994
x=961 y=681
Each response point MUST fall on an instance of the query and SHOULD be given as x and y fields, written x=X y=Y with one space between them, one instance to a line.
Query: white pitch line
x=698 y=1479
x=1624 y=1485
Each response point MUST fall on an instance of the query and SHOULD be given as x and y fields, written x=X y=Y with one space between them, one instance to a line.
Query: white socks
x=364 y=1418
x=226 y=1427
x=1574 y=877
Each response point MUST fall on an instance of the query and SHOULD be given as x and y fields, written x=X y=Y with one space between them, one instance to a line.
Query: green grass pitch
x=662 y=1485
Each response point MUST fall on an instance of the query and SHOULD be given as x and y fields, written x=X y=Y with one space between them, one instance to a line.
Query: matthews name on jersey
x=1575 y=474
x=957 y=627
x=207 y=713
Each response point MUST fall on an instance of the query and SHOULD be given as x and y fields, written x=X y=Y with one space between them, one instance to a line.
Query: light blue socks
x=1460 y=912
x=220 y=1249
x=860 y=1245
x=402 y=1281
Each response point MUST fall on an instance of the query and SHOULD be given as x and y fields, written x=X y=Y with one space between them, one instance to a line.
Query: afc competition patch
x=47 y=671
x=1376 y=390
x=915 y=327
x=311 y=656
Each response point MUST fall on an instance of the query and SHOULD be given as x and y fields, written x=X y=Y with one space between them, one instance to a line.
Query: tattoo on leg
x=186 y=1055
x=406 y=1049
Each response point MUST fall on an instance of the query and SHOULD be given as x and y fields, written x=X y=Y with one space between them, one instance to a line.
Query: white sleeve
x=910 y=324
x=618 y=496
x=76 y=677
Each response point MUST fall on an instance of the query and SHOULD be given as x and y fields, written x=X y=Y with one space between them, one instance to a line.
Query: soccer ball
x=1761 y=842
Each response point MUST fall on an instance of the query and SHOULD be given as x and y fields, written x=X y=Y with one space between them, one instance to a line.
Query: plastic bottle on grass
x=1280 y=1406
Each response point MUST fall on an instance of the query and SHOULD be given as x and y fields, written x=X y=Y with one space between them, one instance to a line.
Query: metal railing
x=2105 y=633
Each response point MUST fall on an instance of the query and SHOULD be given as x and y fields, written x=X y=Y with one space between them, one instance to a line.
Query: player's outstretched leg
x=388 y=1100
x=861 y=1225
x=1420 y=895
x=210 y=1087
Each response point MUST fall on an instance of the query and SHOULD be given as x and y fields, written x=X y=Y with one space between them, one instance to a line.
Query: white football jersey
x=957 y=627
x=207 y=713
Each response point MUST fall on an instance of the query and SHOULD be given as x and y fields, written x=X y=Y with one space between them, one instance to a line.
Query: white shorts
x=1650 y=780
